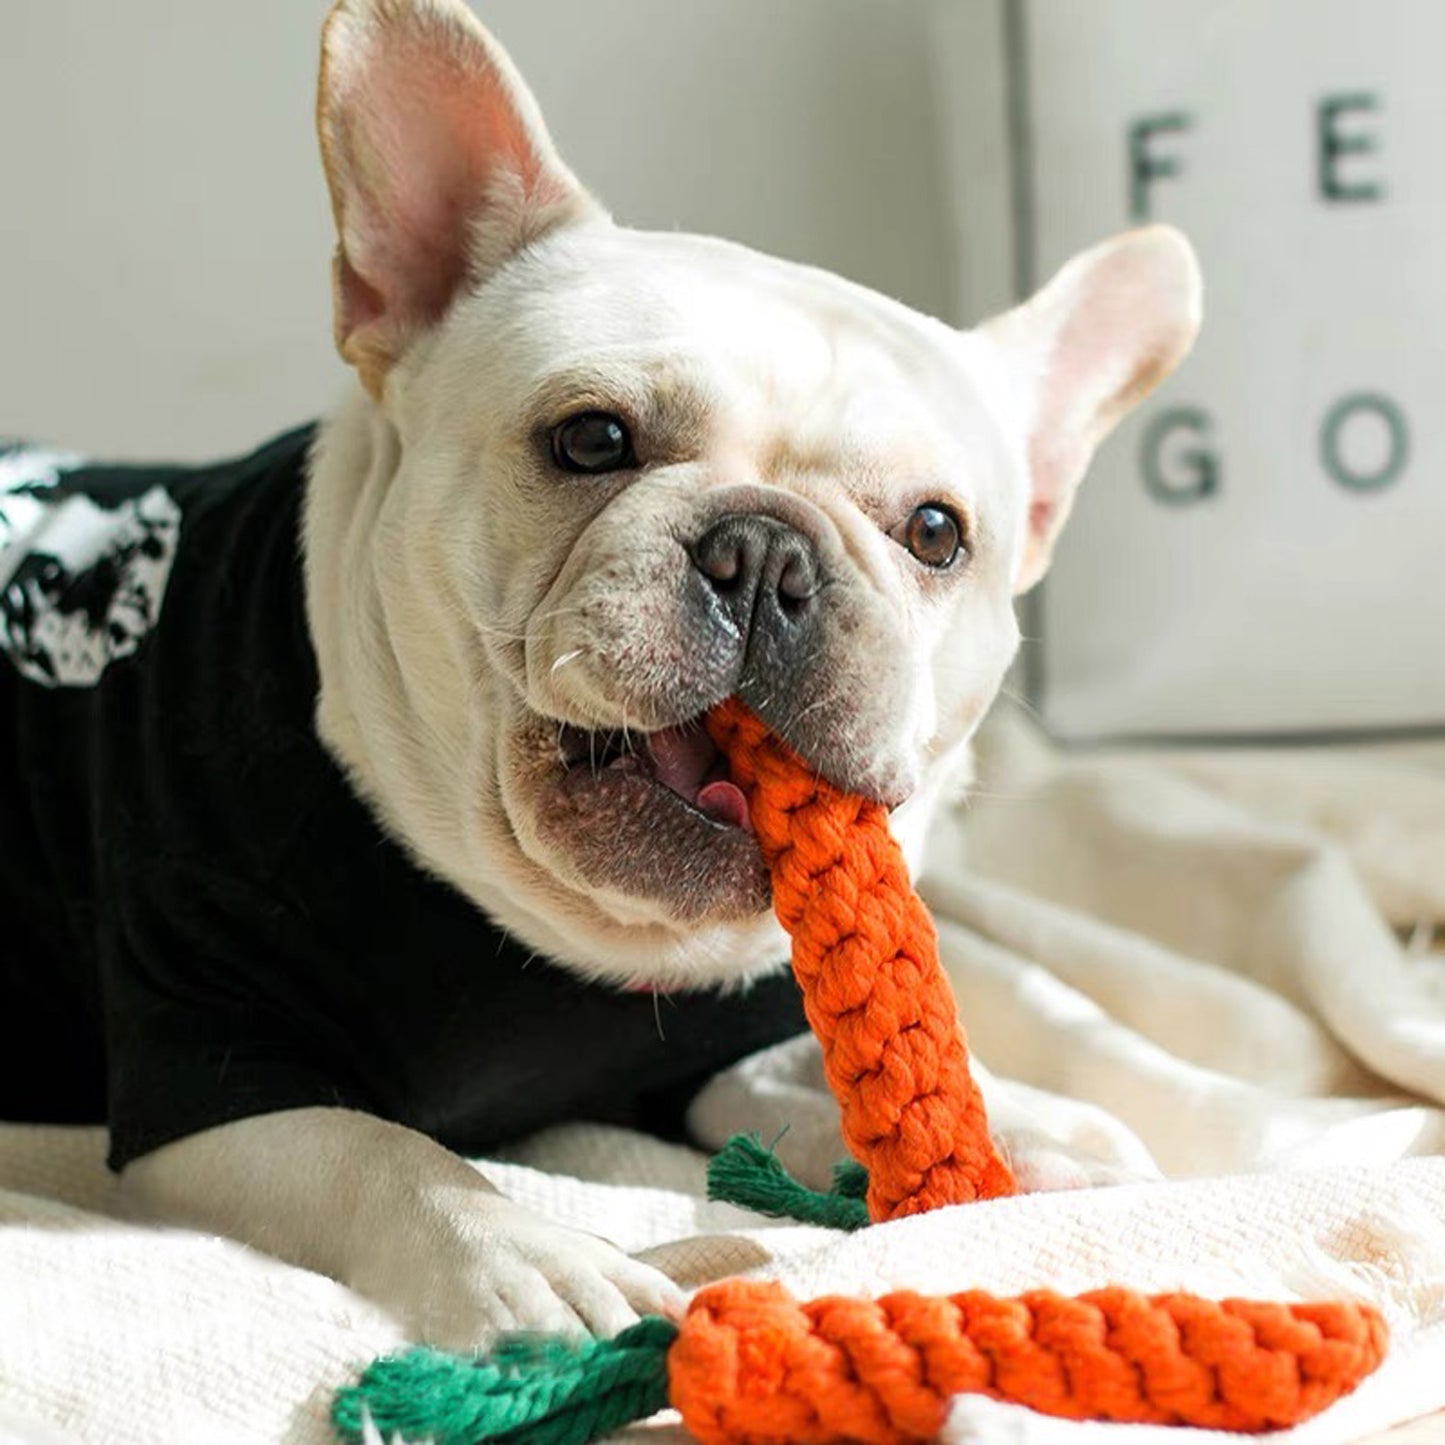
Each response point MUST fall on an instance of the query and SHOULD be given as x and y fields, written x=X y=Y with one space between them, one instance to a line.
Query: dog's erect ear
x=1096 y=340
x=439 y=165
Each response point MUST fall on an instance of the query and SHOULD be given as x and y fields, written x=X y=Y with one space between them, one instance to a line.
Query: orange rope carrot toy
x=748 y=1365
x=865 y=955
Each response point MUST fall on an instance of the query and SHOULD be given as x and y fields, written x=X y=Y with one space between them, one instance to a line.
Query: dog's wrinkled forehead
x=708 y=348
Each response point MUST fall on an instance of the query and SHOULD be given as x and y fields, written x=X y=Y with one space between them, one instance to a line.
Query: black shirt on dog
x=201 y=920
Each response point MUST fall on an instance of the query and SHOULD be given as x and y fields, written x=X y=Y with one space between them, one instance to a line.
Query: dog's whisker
x=501 y=632
x=510 y=634
x=827 y=700
x=992 y=795
x=573 y=610
x=1017 y=697
x=627 y=725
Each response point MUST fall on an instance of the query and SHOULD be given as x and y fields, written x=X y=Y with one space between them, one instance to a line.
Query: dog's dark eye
x=932 y=534
x=592 y=442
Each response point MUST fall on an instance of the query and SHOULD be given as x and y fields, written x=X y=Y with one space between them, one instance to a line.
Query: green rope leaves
x=746 y=1173
x=850 y=1179
x=530 y=1390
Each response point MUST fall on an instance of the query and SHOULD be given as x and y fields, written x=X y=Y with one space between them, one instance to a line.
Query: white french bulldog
x=593 y=481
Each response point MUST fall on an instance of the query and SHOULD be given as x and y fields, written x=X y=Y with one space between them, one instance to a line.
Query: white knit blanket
x=1217 y=976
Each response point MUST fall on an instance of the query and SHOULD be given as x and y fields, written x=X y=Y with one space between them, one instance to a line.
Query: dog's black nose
x=764 y=576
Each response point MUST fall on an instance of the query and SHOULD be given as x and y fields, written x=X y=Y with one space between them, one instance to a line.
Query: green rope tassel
x=850 y=1179
x=528 y=1391
x=746 y=1173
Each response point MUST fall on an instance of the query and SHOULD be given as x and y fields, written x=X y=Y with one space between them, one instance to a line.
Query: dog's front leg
x=401 y=1220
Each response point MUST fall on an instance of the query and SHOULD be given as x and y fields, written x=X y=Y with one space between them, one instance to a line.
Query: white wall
x=164 y=236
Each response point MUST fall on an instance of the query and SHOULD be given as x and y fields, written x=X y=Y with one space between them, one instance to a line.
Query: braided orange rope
x=751 y=1364
x=865 y=954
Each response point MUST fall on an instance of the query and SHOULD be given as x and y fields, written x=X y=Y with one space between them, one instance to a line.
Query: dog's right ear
x=439 y=166
x=1082 y=352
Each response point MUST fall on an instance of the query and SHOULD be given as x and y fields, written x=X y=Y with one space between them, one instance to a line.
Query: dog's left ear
x=439 y=165
x=1109 y=327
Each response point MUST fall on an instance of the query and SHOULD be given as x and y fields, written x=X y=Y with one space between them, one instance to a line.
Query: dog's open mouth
x=650 y=816
x=682 y=759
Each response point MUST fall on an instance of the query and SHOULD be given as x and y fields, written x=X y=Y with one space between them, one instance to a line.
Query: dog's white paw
x=499 y=1268
x=1042 y=1165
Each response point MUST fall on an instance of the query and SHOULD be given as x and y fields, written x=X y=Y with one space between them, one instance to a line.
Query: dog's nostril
x=721 y=556
x=721 y=565
x=797 y=583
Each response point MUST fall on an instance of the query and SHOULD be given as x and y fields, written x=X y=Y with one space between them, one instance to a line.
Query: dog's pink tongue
x=724 y=803
x=682 y=759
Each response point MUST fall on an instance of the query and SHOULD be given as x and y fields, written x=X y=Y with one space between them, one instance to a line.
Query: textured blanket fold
x=1214 y=976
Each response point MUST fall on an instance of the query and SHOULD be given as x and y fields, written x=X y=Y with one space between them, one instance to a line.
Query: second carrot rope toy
x=749 y=1365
